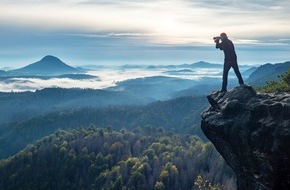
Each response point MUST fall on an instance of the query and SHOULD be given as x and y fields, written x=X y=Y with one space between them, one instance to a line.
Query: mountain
x=200 y=89
x=251 y=131
x=282 y=85
x=3 y=73
x=16 y=106
x=179 y=72
x=268 y=72
x=49 y=65
x=163 y=88
x=248 y=72
x=202 y=64
x=154 y=88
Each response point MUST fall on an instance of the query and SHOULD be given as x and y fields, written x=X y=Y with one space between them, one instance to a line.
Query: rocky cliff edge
x=252 y=133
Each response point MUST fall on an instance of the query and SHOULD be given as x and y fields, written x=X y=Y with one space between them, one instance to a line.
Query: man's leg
x=225 y=76
x=236 y=69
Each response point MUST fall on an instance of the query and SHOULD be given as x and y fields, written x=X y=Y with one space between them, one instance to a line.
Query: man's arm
x=219 y=45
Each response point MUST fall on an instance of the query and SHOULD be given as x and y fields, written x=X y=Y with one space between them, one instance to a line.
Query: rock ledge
x=252 y=133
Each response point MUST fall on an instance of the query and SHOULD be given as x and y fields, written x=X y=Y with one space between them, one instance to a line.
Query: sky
x=113 y=32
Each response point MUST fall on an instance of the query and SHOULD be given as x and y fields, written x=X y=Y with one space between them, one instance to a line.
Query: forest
x=177 y=115
x=19 y=106
x=155 y=146
x=281 y=85
x=102 y=158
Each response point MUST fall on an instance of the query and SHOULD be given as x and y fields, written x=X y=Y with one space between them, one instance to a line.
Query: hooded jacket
x=229 y=50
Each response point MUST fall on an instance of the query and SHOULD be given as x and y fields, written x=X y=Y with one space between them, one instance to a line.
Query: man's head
x=223 y=36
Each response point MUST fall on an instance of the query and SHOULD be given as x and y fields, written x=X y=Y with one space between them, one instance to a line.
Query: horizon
x=97 y=32
x=132 y=64
x=103 y=77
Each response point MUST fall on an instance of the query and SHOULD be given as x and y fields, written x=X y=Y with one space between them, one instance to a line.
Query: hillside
x=2 y=73
x=154 y=88
x=95 y=158
x=49 y=65
x=180 y=115
x=202 y=64
x=282 y=85
x=165 y=88
x=17 y=106
x=199 y=64
x=267 y=72
x=248 y=72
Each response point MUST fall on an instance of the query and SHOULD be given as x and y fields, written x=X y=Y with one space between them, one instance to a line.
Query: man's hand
x=217 y=40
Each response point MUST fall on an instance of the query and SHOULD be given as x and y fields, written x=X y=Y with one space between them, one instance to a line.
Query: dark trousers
x=227 y=67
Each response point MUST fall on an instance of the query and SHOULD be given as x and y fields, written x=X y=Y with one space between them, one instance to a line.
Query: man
x=230 y=59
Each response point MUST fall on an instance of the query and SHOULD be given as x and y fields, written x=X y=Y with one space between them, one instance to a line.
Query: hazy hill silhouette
x=199 y=64
x=2 y=72
x=268 y=72
x=202 y=64
x=181 y=115
x=248 y=72
x=49 y=65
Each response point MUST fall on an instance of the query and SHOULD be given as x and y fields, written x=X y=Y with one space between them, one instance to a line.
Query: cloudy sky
x=82 y=32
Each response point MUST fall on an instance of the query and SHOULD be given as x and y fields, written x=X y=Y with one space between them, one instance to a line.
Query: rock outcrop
x=252 y=133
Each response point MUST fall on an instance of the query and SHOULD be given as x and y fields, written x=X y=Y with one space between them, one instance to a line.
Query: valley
x=113 y=127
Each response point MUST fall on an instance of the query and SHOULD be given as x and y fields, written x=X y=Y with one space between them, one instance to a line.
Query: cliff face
x=252 y=133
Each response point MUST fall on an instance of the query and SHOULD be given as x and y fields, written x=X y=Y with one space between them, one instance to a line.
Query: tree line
x=178 y=115
x=102 y=158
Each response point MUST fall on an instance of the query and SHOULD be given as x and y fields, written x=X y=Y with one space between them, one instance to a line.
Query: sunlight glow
x=172 y=21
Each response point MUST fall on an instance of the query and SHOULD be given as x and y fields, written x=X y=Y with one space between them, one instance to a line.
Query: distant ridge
x=48 y=65
x=2 y=72
x=203 y=64
x=199 y=64
x=268 y=72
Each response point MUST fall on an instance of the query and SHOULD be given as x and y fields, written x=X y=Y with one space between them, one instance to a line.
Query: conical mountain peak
x=50 y=58
x=48 y=65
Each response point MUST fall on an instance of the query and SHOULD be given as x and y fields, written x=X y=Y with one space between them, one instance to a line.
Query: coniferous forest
x=178 y=115
x=102 y=158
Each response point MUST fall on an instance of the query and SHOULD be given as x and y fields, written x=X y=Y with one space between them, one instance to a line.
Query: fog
x=107 y=77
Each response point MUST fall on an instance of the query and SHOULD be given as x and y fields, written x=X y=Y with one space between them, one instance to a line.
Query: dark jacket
x=229 y=50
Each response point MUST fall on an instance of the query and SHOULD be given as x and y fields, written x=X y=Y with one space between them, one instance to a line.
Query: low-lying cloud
x=32 y=84
x=108 y=78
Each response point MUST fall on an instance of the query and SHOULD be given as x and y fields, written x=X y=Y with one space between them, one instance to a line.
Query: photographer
x=230 y=59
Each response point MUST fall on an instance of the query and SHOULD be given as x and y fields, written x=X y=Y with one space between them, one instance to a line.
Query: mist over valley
x=38 y=75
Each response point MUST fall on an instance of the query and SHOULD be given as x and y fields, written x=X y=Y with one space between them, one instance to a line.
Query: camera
x=217 y=38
